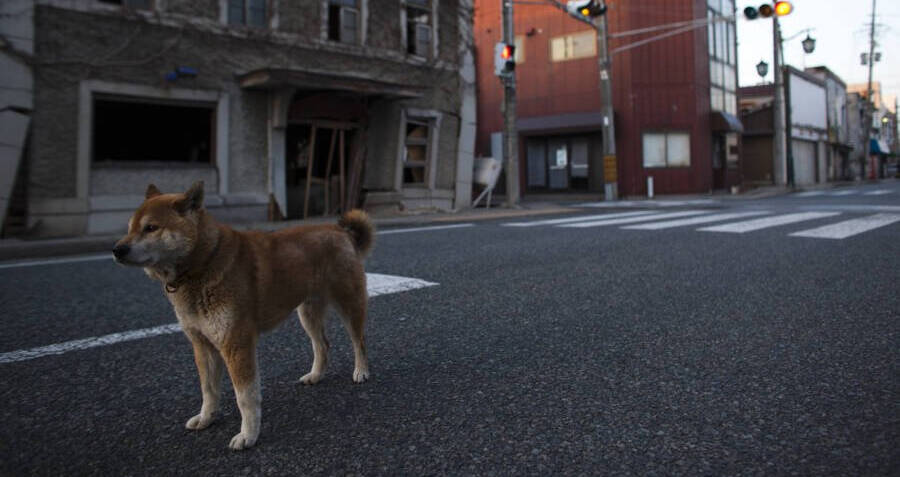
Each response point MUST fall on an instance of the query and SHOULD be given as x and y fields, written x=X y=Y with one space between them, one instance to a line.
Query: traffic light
x=504 y=59
x=586 y=8
x=766 y=10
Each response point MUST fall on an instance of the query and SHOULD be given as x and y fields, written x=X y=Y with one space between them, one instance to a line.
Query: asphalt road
x=543 y=350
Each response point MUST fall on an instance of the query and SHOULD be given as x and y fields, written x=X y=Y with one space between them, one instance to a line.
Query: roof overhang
x=276 y=78
x=721 y=121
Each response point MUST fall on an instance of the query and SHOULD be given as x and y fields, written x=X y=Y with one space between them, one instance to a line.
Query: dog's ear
x=192 y=200
x=152 y=191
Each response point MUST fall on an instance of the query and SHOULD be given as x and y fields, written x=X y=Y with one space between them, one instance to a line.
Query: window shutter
x=423 y=39
x=349 y=25
x=257 y=13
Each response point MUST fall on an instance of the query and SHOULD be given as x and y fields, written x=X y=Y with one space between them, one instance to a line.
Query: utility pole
x=870 y=104
x=779 y=162
x=609 y=130
x=510 y=136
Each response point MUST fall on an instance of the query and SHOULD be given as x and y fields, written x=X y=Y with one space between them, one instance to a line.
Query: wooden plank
x=341 y=174
x=334 y=133
x=309 y=167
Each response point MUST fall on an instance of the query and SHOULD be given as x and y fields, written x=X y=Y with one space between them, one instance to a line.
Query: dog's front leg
x=209 y=367
x=240 y=357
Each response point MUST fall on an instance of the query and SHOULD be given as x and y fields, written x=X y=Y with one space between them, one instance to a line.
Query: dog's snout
x=121 y=250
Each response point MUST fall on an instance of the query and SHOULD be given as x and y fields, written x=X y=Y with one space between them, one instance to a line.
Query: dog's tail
x=361 y=230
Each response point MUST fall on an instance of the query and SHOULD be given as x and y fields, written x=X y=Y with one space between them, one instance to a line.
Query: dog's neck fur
x=193 y=265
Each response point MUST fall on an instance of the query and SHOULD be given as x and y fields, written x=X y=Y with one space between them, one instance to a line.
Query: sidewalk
x=18 y=249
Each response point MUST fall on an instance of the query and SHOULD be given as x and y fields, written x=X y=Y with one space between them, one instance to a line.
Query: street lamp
x=762 y=68
x=809 y=44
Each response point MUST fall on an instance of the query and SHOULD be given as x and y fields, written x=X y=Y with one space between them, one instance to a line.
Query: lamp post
x=762 y=69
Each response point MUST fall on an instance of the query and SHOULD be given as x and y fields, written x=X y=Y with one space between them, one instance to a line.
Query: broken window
x=134 y=130
x=416 y=151
x=343 y=21
x=247 y=12
x=418 y=27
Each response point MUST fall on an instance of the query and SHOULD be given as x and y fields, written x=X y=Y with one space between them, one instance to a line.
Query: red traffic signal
x=507 y=52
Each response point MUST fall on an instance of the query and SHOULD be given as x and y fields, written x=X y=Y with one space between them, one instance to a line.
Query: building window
x=133 y=4
x=667 y=149
x=418 y=27
x=247 y=12
x=416 y=151
x=722 y=56
x=343 y=21
x=145 y=131
x=574 y=46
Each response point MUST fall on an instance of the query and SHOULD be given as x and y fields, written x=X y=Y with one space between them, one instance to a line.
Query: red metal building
x=674 y=98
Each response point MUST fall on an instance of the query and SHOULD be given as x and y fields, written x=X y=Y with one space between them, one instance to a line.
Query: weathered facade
x=674 y=97
x=839 y=143
x=284 y=108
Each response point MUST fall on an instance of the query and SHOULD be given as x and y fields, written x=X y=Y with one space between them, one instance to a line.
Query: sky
x=841 y=31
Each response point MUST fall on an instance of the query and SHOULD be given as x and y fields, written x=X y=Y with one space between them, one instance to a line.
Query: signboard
x=609 y=169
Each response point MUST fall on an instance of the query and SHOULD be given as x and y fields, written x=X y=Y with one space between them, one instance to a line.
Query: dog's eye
x=150 y=228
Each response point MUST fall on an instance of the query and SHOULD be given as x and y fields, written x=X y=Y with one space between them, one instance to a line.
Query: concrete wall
x=82 y=42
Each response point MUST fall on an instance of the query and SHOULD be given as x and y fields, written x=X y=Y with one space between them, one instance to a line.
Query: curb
x=18 y=249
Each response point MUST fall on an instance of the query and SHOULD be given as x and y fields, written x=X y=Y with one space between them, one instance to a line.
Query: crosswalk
x=843 y=193
x=737 y=222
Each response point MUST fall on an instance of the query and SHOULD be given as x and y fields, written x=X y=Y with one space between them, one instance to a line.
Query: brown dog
x=228 y=286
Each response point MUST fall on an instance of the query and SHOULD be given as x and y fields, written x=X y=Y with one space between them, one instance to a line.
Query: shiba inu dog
x=228 y=286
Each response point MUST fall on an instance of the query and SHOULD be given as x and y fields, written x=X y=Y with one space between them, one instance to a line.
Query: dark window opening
x=343 y=21
x=415 y=153
x=134 y=131
x=247 y=12
x=135 y=4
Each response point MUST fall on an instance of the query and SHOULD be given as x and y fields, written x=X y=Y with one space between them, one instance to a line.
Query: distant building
x=284 y=108
x=837 y=153
x=675 y=100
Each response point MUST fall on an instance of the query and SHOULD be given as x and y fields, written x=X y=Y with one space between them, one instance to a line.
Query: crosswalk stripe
x=695 y=220
x=844 y=192
x=812 y=193
x=757 y=224
x=575 y=219
x=628 y=220
x=849 y=228
x=878 y=192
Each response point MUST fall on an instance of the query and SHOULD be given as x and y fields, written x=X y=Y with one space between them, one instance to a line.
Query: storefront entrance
x=557 y=163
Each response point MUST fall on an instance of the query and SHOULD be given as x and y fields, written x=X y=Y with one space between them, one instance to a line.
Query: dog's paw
x=242 y=441
x=311 y=378
x=199 y=422
x=360 y=375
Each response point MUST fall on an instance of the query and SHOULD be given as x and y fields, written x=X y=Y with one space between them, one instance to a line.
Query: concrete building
x=839 y=144
x=674 y=99
x=284 y=108
x=806 y=130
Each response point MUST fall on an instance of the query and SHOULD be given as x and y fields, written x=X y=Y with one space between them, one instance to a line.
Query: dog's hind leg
x=352 y=306
x=312 y=317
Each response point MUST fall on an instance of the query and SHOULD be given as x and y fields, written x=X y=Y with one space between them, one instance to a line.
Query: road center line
x=377 y=284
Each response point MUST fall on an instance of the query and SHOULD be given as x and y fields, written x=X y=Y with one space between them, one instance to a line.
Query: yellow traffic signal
x=783 y=8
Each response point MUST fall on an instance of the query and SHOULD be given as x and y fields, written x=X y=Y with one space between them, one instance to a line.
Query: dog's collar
x=172 y=286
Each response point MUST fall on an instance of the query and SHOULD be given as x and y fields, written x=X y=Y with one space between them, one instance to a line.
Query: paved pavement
x=629 y=344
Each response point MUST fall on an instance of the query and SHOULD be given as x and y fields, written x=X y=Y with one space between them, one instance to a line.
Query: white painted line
x=849 y=228
x=878 y=192
x=757 y=224
x=56 y=261
x=629 y=220
x=575 y=219
x=811 y=193
x=696 y=220
x=646 y=203
x=844 y=192
x=376 y=285
x=423 y=229
x=856 y=208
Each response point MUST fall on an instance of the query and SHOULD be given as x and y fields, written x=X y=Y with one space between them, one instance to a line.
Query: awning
x=721 y=121
x=877 y=146
x=273 y=78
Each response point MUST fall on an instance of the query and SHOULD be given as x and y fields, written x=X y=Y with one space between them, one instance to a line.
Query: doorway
x=557 y=163
x=322 y=168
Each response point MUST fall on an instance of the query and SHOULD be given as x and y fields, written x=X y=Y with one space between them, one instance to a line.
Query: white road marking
x=642 y=218
x=878 y=192
x=422 y=229
x=849 y=228
x=844 y=192
x=855 y=208
x=575 y=219
x=757 y=224
x=56 y=261
x=377 y=284
x=811 y=193
x=646 y=203
x=696 y=220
